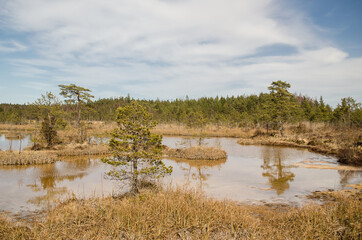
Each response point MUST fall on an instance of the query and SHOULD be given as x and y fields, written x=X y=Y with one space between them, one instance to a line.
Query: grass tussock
x=26 y=158
x=196 y=153
x=180 y=214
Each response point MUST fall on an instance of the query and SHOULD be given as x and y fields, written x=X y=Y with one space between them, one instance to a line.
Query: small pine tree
x=136 y=151
x=48 y=130
x=50 y=112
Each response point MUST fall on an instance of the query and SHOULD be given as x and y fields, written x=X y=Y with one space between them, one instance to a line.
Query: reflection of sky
x=239 y=178
x=5 y=143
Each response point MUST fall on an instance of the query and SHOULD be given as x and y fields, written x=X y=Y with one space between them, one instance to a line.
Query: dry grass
x=91 y=129
x=196 y=153
x=77 y=149
x=26 y=158
x=29 y=157
x=208 y=131
x=341 y=142
x=318 y=137
x=200 y=163
x=334 y=167
x=13 y=127
x=181 y=214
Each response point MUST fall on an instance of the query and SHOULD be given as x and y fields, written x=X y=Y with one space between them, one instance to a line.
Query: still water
x=16 y=142
x=249 y=174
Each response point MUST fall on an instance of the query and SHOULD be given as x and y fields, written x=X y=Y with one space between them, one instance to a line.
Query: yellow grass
x=26 y=158
x=179 y=214
x=336 y=167
x=341 y=142
x=77 y=149
x=208 y=131
x=29 y=157
x=196 y=153
x=318 y=137
x=13 y=127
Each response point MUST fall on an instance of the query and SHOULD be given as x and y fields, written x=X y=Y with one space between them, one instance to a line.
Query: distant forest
x=242 y=111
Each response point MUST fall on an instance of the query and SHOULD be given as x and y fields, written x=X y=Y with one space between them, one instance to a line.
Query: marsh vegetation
x=130 y=142
x=182 y=214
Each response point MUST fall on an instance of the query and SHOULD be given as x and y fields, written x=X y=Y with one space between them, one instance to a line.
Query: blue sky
x=168 y=49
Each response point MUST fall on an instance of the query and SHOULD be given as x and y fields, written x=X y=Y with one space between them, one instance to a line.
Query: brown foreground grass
x=179 y=214
x=196 y=153
x=26 y=158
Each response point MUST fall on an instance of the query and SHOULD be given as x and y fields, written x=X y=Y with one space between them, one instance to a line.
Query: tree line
x=270 y=110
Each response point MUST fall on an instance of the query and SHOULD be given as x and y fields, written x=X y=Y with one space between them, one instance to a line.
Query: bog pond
x=250 y=174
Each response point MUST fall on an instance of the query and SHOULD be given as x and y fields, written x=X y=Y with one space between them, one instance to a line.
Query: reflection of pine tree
x=277 y=173
x=347 y=175
x=50 y=178
x=197 y=169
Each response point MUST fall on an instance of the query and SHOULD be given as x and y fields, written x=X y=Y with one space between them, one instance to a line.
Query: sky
x=170 y=49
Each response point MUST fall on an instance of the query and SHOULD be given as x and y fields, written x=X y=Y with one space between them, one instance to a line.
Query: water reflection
x=276 y=169
x=349 y=177
x=246 y=175
x=197 y=170
x=35 y=187
x=14 y=141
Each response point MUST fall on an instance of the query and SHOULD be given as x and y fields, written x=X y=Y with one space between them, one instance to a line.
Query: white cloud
x=170 y=48
x=325 y=55
x=150 y=30
x=11 y=46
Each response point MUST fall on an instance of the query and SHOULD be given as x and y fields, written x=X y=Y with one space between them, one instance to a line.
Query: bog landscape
x=270 y=166
x=180 y=119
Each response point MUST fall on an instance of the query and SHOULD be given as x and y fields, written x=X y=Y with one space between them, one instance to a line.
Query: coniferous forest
x=244 y=111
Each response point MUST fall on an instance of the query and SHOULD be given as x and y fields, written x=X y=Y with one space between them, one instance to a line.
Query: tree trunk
x=78 y=109
x=134 y=184
x=19 y=145
x=78 y=120
x=281 y=129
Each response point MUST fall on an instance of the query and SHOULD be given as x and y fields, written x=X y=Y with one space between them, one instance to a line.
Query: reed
x=196 y=153
x=182 y=214
x=26 y=158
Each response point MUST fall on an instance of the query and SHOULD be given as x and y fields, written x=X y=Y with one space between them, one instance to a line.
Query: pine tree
x=76 y=95
x=283 y=103
x=50 y=113
x=136 y=151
